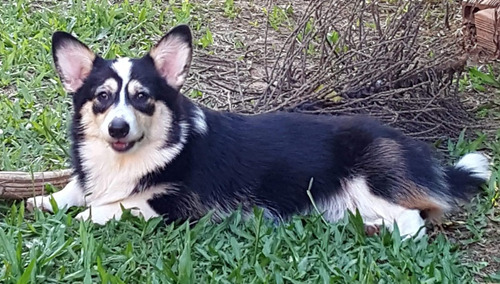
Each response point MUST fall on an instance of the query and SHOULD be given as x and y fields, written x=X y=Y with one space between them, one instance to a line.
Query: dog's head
x=125 y=101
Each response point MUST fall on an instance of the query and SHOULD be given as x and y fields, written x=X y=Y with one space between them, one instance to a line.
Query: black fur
x=268 y=160
x=463 y=183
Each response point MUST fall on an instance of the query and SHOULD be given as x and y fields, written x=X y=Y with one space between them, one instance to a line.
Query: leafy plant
x=206 y=40
x=278 y=16
x=230 y=10
x=477 y=79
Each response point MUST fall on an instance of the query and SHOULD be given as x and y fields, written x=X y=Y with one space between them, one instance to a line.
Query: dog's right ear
x=73 y=60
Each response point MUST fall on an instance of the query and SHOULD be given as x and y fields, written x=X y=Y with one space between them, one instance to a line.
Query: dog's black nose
x=118 y=128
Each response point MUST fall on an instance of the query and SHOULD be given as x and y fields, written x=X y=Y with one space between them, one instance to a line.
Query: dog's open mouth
x=122 y=146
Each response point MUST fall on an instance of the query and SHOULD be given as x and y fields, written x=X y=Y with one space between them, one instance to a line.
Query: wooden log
x=20 y=185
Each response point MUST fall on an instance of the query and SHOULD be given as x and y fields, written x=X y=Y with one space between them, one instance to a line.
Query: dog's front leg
x=101 y=214
x=71 y=195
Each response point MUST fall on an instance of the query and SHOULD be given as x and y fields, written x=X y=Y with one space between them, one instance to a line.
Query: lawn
x=54 y=248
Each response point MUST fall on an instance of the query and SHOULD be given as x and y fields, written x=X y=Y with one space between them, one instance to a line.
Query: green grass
x=54 y=248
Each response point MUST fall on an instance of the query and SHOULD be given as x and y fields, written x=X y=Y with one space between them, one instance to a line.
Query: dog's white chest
x=109 y=176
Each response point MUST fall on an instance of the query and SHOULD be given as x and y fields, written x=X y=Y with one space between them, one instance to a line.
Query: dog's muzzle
x=119 y=129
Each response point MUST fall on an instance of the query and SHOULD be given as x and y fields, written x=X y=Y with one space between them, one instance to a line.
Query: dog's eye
x=102 y=96
x=141 y=97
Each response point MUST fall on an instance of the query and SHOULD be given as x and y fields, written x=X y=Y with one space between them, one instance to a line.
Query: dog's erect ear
x=172 y=55
x=73 y=60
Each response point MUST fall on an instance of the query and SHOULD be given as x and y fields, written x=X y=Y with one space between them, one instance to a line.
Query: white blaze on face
x=123 y=68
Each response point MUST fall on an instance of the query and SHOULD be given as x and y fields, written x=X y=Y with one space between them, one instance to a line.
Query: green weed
x=478 y=80
x=230 y=10
x=279 y=17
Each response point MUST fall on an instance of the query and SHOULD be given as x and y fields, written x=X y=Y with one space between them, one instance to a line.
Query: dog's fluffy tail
x=463 y=181
x=467 y=175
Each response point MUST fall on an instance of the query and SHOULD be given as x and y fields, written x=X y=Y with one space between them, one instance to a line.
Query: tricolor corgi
x=137 y=142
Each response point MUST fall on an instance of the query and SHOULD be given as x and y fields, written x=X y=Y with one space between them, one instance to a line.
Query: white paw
x=40 y=202
x=98 y=215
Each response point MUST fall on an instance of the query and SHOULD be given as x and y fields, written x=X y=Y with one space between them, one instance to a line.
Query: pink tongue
x=120 y=145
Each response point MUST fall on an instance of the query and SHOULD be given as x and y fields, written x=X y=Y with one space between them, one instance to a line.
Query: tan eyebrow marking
x=109 y=85
x=135 y=87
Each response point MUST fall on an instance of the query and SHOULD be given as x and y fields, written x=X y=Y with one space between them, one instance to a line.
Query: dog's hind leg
x=377 y=211
x=71 y=195
x=409 y=222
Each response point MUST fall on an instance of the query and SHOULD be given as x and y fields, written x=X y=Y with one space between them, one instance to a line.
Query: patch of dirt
x=234 y=71
x=9 y=90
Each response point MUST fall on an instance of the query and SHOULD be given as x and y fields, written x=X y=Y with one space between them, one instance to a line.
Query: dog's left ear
x=172 y=55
